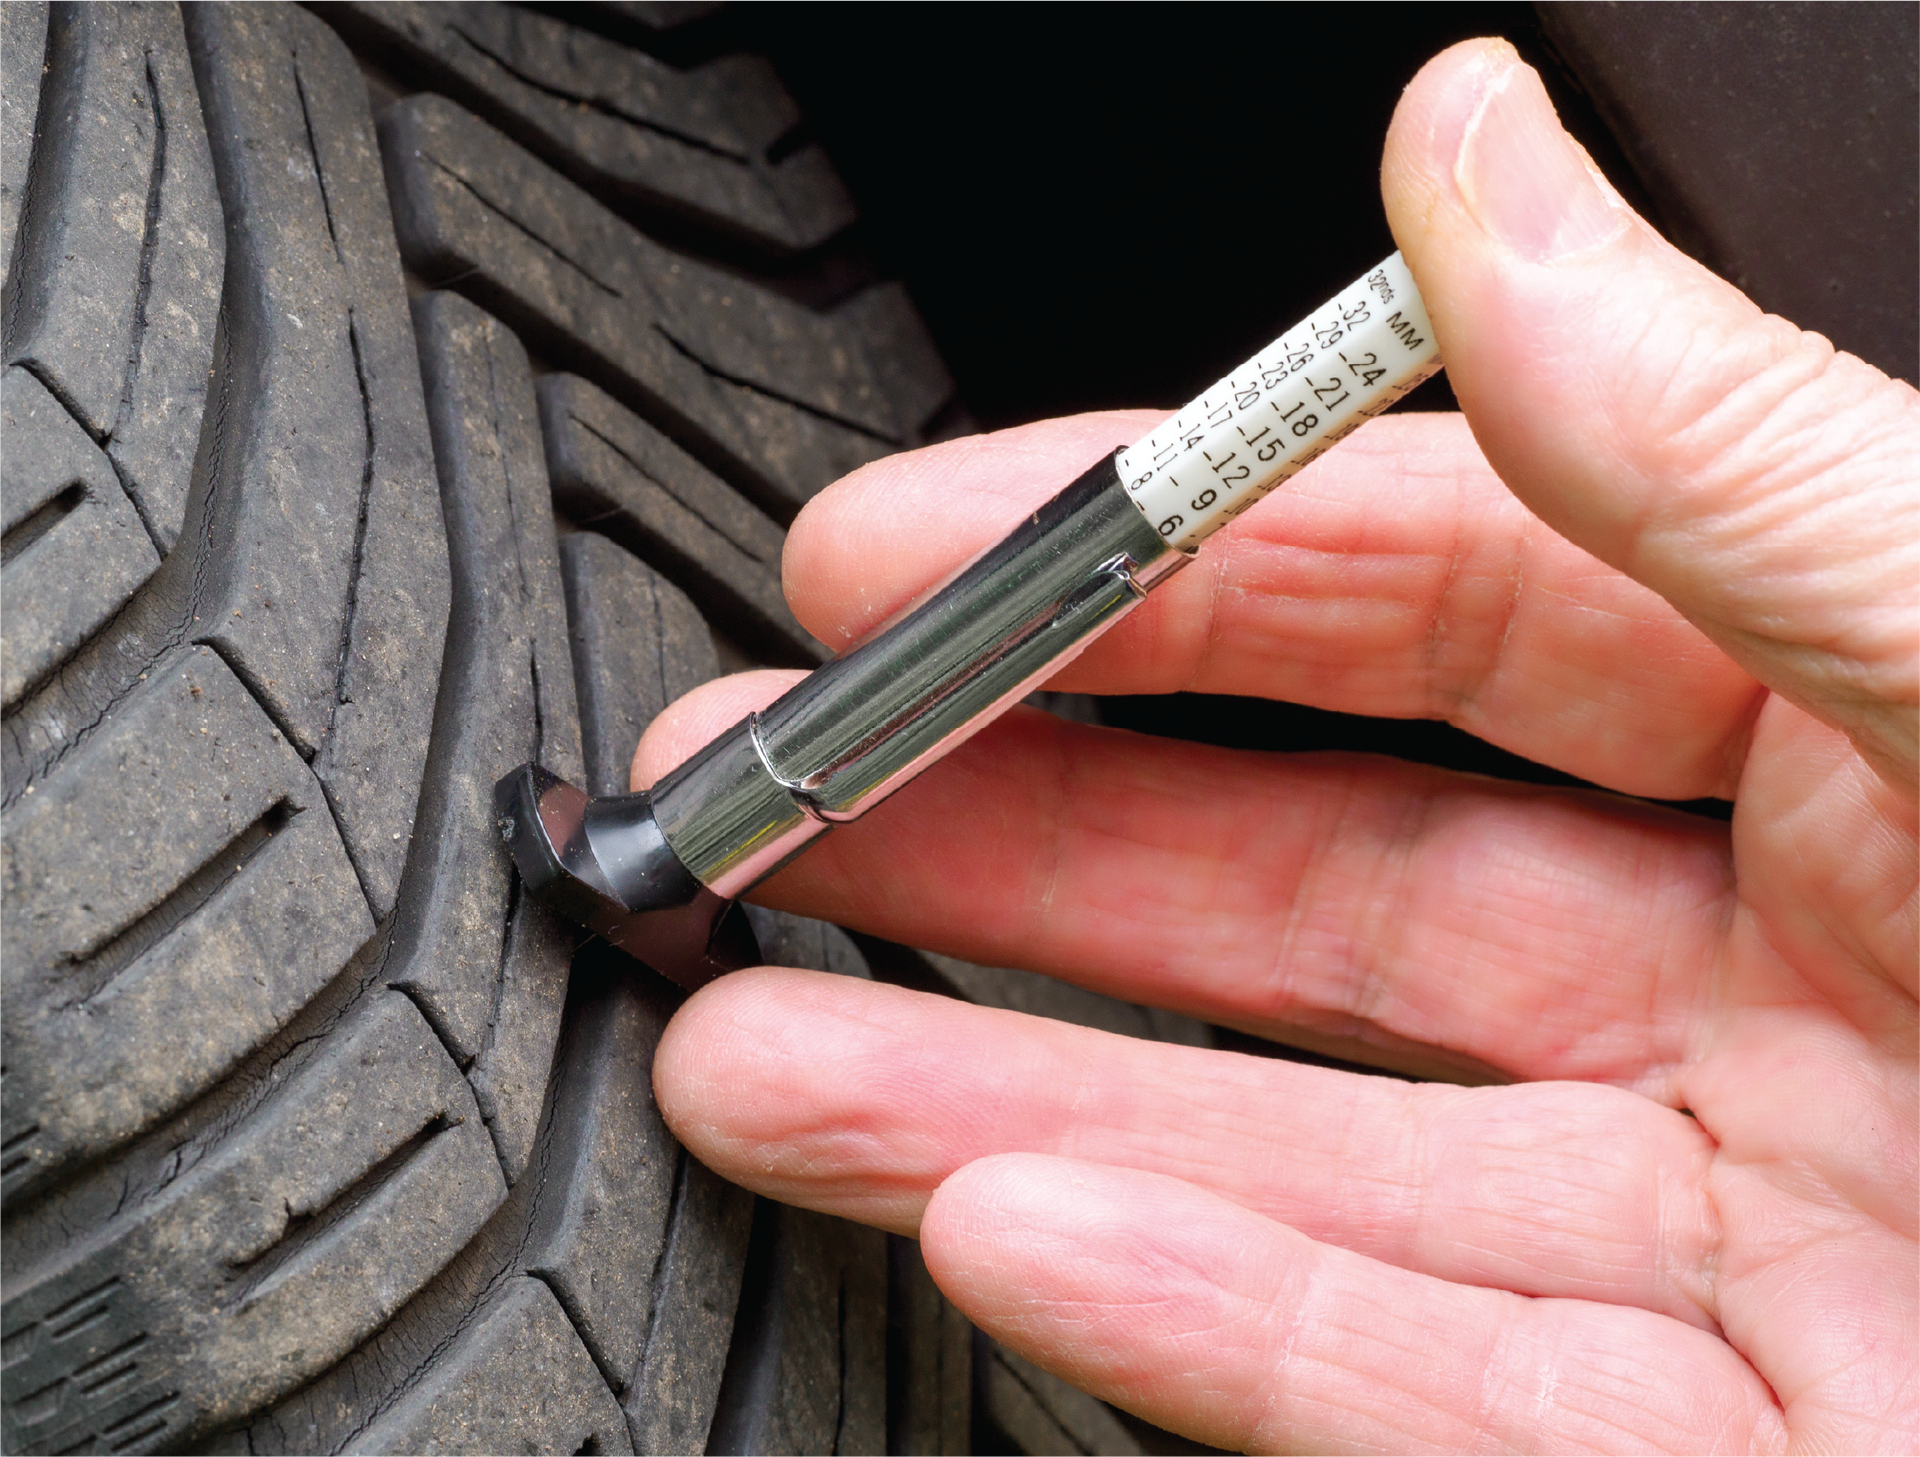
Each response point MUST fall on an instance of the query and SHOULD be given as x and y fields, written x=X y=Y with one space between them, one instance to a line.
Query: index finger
x=1397 y=576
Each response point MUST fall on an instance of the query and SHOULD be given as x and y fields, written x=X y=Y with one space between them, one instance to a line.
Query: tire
x=347 y=464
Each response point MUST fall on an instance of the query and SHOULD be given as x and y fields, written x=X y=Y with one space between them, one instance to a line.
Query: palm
x=1689 y=1221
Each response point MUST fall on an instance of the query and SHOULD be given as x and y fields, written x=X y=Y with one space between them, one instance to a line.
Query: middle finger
x=1545 y=933
x=860 y=1099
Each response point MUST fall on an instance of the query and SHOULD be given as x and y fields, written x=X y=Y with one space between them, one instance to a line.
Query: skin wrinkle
x=1715 y=441
x=1437 y=634
x=1210 y=630
x=1286 y=984
x=1846 y=657
x=1511 y=615
x=1280 y=1363
x=1373 y=989
x=1707 y=507
x=1787 y=842
x=1497 y=1378
x=1692 y=997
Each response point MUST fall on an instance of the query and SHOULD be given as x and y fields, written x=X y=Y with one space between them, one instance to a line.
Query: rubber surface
x=349 y=462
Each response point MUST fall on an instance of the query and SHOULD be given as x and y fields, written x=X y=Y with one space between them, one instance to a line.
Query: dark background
x=1046 y=181
x=1048 y=188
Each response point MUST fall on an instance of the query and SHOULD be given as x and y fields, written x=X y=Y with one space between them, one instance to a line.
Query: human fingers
x=1215 y=1321
x=1649 y=412
x=860 y=1099
x=1396 y=576
x=1546 y=933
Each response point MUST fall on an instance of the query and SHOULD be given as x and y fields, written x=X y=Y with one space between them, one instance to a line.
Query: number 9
x=1205 y=499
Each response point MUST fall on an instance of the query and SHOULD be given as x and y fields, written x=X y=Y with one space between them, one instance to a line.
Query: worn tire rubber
x=353 y=455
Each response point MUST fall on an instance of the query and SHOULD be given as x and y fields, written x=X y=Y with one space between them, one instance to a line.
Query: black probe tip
x=604 y=864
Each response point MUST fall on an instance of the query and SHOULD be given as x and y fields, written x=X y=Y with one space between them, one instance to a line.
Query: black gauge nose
x=605 y=864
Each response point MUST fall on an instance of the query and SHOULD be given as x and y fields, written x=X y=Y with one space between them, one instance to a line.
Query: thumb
x=1645 y=409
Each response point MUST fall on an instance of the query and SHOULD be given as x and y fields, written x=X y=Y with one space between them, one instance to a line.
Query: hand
x=1672 y=548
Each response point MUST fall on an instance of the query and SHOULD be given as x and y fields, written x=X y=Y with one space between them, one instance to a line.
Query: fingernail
x=1526 y=181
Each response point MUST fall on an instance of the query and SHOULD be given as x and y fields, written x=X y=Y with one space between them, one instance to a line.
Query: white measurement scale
x=1283 y=409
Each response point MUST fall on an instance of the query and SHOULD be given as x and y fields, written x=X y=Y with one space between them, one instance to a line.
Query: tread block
x=638 y=644
x=778 y=398
x=670 y=1397
x=517 y=1381
x=506 y=696
x=589 y=1209
x=274 y=1248
x=930 y=1359
x=73 y=549
x=918 y=387
x=673 y=1248
x=613 y=1172
x=642 y=1244
x=23 y=48
x=184 y=875
x=117 y=281
x=808 y=1368
x=639 y=134
x=617 y=474
x=1041 y=1413
x=326 y=582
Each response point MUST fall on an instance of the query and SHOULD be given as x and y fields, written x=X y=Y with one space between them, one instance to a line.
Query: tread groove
x=519 y=227
x=313 y=151
x=840 y=1362
x=87 y=1381
x=594 y=103
x=53 y=387
x=717 y=528
x=138 y=1425
x=62 y=1321
x=514 y=899
x=9 y=1158
x=790 y=142
x=355 y=564
x=506 y=476
x=102 y=967
x=17 y=262
x=612 y=1381
x=143 y=293
x=304 y=1231
x=428 y=1013
x=357 y=561
x=42 y=769
x=1038 y=1397
x=42 y=1399
x=39 y=521
x=539 y=714
x=766 y=394
x=657 y=1280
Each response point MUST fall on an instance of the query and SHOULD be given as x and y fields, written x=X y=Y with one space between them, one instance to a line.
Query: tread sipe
x=354 y=455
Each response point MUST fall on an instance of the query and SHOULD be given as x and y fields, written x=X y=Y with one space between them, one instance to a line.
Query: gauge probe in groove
x=659 y=873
